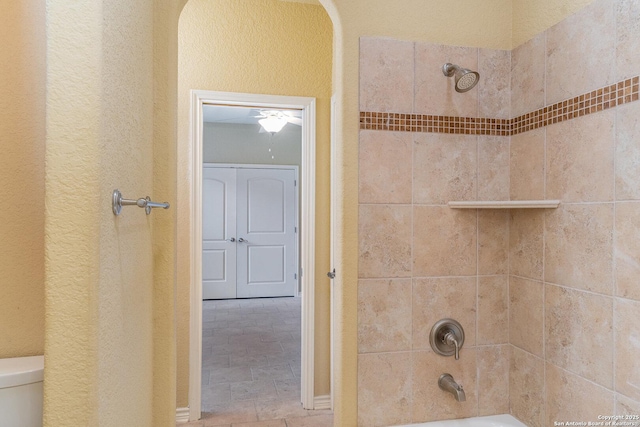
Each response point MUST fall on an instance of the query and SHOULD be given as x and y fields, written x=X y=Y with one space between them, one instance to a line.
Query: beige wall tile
x=384 y=315
x=570 y=397
x=579 y=333
x=580 y=159
x=526 y=314
x=581 y=52
x=494 y=87
x=527 y=165
x=444 y=242
x=430 y=403
x=526 y=388
x=627 y=348
x=385 y=167
x=384 y=232
x=439 y=298
x=493 y=379
x=526 y=230
x=493 y=310
x=435 y=93
x=445 y=168
x=626 y=406
x=493 y=168
x=493 y=241
x=384 y=389
x=527 y=76
x=627 y=250
x=628 y=151
x=628 y=38
x=579 y=247
x=386 y=75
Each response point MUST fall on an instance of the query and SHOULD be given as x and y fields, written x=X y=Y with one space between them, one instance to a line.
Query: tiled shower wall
x=575 y=271
x=550 y=300
x=421 y=261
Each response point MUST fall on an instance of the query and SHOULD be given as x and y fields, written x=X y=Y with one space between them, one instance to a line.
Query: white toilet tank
x=21 y=391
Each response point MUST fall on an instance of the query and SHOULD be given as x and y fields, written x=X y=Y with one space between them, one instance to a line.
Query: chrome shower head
x=465 y=79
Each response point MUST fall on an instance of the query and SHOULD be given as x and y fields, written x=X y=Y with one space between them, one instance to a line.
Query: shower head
x=465 y=79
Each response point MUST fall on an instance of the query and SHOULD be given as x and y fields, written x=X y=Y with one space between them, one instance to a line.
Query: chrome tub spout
x=447 y=383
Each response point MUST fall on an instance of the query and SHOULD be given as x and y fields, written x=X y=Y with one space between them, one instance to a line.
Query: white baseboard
x=319 y=402
x=322 y=402
x=182 y=415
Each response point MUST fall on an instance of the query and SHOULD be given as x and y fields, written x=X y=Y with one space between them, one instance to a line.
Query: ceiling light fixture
x=273 y=124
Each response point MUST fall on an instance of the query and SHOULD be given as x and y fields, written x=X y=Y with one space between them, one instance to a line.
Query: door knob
x=332 y=274
x=233 y=239
x=241 y=240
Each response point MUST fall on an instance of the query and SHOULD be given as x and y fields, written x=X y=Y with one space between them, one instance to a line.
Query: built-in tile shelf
x=505 y=204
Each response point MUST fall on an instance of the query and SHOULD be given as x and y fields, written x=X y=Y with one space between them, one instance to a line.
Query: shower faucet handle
x=450 y=339
x=447 y=337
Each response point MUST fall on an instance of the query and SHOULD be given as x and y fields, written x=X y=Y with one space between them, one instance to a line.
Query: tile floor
x=251 y=365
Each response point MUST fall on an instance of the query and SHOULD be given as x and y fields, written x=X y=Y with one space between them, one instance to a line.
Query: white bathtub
x=492 y=421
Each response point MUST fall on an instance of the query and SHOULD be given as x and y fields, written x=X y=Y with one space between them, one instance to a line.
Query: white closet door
x=266 y=247
x=218 y=233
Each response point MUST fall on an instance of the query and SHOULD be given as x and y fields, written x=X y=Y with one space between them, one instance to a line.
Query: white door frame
x=307 y=228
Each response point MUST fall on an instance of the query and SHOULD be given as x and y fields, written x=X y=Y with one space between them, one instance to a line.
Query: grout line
x=569 y=288
x=470 y=276
x=580 y=376
x=614 y=280
x=509 y=292
x=544 y=245
x=412 y=259
x=544 y=76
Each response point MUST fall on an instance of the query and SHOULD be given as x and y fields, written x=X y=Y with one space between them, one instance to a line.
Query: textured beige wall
x=256 y=46
x=100 y=286
x=533 y=17
x=22 y=129
x=165 y=82
x=165 y=75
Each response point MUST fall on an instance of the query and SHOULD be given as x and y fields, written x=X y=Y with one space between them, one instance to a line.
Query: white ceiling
x=239 y=115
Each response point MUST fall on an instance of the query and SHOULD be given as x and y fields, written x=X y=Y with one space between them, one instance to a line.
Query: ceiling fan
x=274 y=120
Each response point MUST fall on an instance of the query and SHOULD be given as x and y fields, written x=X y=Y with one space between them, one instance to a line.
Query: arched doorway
x=255 y=75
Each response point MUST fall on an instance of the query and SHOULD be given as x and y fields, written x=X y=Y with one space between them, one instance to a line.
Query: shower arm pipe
x=118 y=202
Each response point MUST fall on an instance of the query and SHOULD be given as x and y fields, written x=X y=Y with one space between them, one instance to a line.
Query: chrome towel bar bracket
x=117 y=202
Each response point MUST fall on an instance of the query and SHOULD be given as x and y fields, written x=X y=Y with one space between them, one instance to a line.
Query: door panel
x=266 y=221
x=265 y=193
x=266 y=264
x=213 y=264
x=214 y=207
x=218 y=228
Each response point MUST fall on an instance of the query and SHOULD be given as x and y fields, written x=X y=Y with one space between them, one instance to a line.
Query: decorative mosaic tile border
x=604 y=98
